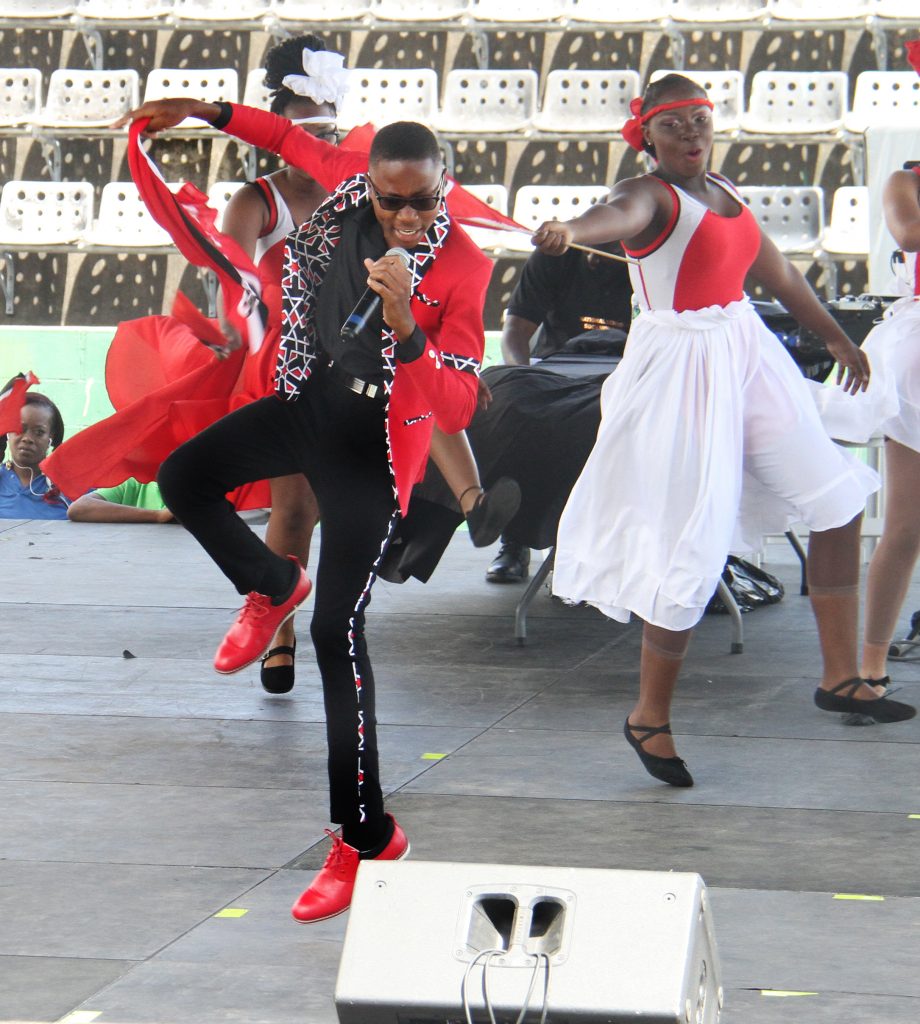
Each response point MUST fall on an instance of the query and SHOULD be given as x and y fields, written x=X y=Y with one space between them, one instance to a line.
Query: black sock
x=369 y=838
x=294 y=576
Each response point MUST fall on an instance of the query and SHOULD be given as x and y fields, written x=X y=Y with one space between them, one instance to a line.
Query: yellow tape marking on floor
x=779 y=993
x=916 y=817
x=81 y=1017
x=858 y=896
x=433 y=757
x=231 y=912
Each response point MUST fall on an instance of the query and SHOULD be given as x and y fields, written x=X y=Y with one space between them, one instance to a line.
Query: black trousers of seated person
x=337 y=439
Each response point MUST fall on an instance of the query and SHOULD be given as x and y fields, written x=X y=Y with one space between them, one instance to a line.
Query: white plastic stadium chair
x=89 y=98
x=619 y=12
x=213 y=85
x=707 y=12
x=501 y=11
x=724 y=88
x=124 y=10
x=255 y=93
x=586 y=101
x=421 y=10
x=793 y=102
x=219 y=194
x=488 y=101
x=20 y=96
x=848 y=232
x=218 y=10
x=40 y=213
x=383 y=95
x=495 y=196
x=124 y=220
x=534 y=204
x=792 y=217
x=884 y=98
x=35 y=9
x=822 y=10
x=304 y=12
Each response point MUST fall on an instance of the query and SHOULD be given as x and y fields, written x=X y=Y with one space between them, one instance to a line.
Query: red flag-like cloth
x=913 y=54
x=11 y=402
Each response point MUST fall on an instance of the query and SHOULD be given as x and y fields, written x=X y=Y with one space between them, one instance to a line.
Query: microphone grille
x=401 y=253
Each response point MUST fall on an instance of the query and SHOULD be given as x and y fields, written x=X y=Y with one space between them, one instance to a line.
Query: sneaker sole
x=338 y=913
x=268 y=647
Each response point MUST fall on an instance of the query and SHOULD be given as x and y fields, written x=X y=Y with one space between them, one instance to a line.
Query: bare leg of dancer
x=293 y=518
x=453 y=456
x=895 y=557
x=833 y=584
x=663 y=653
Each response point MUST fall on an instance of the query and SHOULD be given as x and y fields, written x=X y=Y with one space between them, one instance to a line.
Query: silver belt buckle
x=371 y=390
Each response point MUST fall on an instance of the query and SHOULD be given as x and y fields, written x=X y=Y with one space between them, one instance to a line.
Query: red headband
x=632 y=130
x=913 y=54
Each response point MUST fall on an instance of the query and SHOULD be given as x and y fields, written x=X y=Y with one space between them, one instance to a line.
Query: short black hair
x=660 y=87
x=287 y=59
x=36 y=398
x=404 y=140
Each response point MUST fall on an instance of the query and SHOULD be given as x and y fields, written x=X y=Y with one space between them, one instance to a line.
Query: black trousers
x=338 y=440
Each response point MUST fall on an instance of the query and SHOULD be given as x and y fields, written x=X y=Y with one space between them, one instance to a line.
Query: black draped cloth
x=538 y=429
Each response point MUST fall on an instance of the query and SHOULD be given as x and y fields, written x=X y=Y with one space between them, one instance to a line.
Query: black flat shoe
x=493 y=510
x=857 y=717
x=278 y=678
x=671 y=770
x=882 y=709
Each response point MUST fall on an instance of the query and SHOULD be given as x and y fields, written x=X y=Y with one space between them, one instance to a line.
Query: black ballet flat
x=492 y=511
x=882 y=709
x=857 y=717
x=671 y=770
x=277 y=679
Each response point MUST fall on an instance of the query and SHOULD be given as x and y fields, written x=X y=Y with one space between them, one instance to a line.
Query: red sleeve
x=446 y=372
x=328 y=164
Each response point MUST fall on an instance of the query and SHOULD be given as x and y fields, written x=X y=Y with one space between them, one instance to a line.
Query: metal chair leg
x=520 y=613
x=793 y=539
x=734 y=612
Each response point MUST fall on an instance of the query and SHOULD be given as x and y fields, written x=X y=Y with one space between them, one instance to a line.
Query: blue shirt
x=18 y=502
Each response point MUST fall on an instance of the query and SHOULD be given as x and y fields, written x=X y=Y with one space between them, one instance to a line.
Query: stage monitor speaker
x=442 y=943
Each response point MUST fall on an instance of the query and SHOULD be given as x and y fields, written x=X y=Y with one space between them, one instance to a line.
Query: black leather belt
x=360 y=387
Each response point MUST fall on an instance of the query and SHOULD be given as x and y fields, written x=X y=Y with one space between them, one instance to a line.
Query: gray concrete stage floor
x=143 y=795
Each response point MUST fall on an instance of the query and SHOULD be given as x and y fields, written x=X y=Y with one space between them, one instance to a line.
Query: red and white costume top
x=700 y=259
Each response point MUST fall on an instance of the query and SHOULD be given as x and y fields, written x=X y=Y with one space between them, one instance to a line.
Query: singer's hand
x=390 y=279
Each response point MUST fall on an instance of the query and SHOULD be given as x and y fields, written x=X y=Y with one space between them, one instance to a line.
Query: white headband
x=325 y=80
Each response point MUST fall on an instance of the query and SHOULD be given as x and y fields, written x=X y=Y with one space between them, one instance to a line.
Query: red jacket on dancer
x=441 y=385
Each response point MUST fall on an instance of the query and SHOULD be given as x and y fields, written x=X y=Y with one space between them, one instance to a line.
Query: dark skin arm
x=901 y=204
x=516 y=334
x=91 y=508
x=780 y=278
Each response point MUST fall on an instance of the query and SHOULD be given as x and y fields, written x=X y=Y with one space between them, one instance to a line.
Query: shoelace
x=336 y=860
x=256 y=607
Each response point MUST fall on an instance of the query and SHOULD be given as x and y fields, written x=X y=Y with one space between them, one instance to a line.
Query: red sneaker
x=251 y=635
x=330 y=892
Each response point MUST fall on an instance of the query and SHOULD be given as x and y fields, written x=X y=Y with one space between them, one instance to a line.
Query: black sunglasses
x=424 y=204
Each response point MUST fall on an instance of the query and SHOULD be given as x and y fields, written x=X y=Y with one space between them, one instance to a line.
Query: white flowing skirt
x=709 y=438
x=891 y=404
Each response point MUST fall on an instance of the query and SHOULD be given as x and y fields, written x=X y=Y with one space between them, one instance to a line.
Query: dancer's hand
x=389 y=277
x=167 y=113
x=483 y=396
x=553 y=237
x=852 y=365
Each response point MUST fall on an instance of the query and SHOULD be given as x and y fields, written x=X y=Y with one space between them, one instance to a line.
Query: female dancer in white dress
x=896 y=344
x=709 y=436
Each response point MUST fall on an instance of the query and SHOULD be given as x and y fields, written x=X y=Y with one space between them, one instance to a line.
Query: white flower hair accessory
x=325 y=79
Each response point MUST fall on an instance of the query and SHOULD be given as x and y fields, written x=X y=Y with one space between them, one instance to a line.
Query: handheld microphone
x=368 y=304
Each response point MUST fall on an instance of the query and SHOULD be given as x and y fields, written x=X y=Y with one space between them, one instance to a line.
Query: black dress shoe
x=278 y=679
x=671 y=770
x=510 y=565
x=882 y=709
x=493 y=510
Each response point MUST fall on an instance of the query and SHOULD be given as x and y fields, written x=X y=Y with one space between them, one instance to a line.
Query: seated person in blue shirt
x=25 y=492
x=557 y=299
x=129 y=502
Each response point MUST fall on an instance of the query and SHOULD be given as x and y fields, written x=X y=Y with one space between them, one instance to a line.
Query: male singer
x=354 y=415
